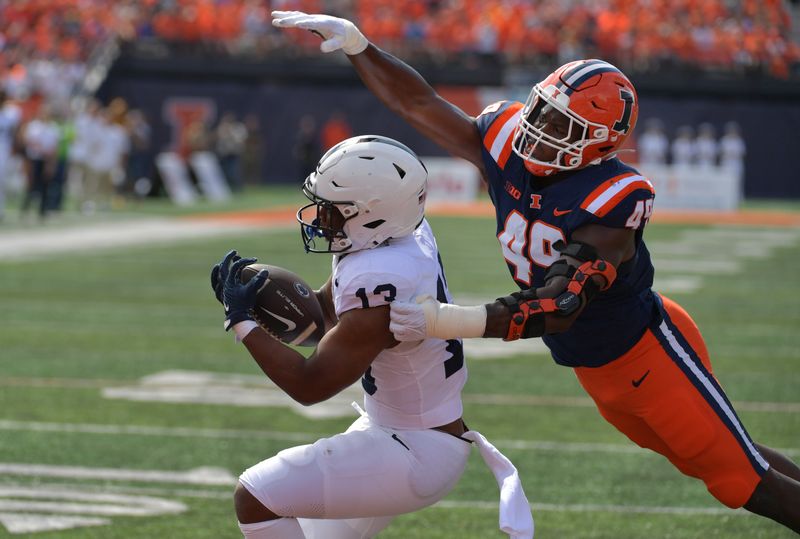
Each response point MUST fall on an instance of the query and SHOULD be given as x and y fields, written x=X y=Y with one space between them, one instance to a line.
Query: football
x=286 y=307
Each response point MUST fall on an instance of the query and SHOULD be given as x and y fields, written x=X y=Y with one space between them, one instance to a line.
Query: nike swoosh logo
x=395 y=438
x=637 y=383
x=290 y=326
x=559 y=213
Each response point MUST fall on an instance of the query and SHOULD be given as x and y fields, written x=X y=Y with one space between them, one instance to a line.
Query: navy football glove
x=220 y=272
x=239 y=299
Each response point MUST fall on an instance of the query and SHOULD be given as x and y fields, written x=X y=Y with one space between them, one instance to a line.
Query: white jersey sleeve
x=415 y=384
x=372 y=281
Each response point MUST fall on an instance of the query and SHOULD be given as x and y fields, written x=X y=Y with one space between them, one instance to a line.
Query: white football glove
x=408 y=321
x=337 y=33
x=429 y=318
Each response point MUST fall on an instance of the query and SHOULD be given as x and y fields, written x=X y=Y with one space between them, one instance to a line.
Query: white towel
x=515 y=512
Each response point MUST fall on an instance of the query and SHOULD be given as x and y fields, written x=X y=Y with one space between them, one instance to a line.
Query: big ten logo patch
x=187 y=117
x=513 y=191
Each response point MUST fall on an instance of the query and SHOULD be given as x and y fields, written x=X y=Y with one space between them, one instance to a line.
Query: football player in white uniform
x=409 y=448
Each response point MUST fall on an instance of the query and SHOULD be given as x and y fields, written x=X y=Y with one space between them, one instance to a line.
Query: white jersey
x=389 y=461
x=415 y=385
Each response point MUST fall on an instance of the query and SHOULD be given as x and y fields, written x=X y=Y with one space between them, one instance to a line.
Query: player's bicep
x=452 y=129
x=347 y=350
x=325 y=297
x=409 y=96
x=449 y=127
x=614 y=245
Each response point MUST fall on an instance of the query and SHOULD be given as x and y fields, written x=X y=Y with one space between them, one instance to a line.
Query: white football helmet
x=364 y=191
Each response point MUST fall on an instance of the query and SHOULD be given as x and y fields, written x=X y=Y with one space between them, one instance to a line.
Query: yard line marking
x=255 y=390
x=197 y=476
x=678 y=284
x=444 y=504
x=693 y=265
x=37 y=522
x=103 y=504
x=63 y=383
x=534 y=445
x=204 y=387
x=597 y=508
x=36 y=508
x=180 y=432
x=225 y=494
x=585 y=402
x=31 y=244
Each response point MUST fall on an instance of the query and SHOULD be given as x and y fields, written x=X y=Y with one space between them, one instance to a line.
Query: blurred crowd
x=96 y=154
x=691 y=146
x=39 y=38
x=101 y=157
x=637 y=35
x=49 y=49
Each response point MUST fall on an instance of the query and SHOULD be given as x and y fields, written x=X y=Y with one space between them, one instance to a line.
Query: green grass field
x=77 y=326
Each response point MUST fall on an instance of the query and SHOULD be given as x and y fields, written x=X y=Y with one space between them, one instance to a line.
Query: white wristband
x=356 y=43
x=243 y=329
x=447 y=321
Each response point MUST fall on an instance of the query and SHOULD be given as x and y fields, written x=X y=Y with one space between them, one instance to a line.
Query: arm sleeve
x=370 y=289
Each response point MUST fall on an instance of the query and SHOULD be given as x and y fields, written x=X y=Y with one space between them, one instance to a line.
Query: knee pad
x=290 y=483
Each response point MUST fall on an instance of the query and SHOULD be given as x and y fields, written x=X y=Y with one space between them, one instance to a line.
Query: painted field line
x=585 y=402
x=97 y=504
x=221 y=494
x=62 y=383
x=444 y=504
x=598 y=508
x=495 y=399
x=188 y=432
x=197 y=476
x=28 y=244
x=177 y=432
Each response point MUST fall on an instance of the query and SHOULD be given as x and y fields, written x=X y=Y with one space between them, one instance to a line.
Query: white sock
x=281 y=528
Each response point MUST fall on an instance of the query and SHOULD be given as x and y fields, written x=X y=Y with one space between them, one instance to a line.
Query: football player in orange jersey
x=570 y=218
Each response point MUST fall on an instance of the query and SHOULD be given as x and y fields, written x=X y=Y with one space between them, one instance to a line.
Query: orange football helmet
x=580 y=114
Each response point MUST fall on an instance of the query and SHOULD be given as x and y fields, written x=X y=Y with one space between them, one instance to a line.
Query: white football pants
x=367 y=472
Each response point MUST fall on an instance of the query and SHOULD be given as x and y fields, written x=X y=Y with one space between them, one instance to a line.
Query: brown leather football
x=286 y=307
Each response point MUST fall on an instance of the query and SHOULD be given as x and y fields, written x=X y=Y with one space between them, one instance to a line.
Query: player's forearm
x=460 y=321
x=492 y=320
x=497 y=319
x=498 y=316
x=399 y=86
x=284 y=366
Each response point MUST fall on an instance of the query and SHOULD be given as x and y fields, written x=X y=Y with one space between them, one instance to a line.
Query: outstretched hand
x=337 y=33
x=238 y=298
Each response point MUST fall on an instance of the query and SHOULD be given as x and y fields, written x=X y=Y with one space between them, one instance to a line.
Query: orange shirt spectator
x=335 y=130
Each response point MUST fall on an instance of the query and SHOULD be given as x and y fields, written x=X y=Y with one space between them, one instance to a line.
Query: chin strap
x=528 y=310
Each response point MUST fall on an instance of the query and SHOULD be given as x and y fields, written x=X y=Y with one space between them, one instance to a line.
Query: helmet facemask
x=547 y=124
x=323 y=223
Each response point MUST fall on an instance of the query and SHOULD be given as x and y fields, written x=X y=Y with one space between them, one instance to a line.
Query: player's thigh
x=367 y=471
x=636 y=429
x=692 y=414
x=684 y=322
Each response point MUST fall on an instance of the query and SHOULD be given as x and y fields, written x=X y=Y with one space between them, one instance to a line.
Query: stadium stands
x=642 y=35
